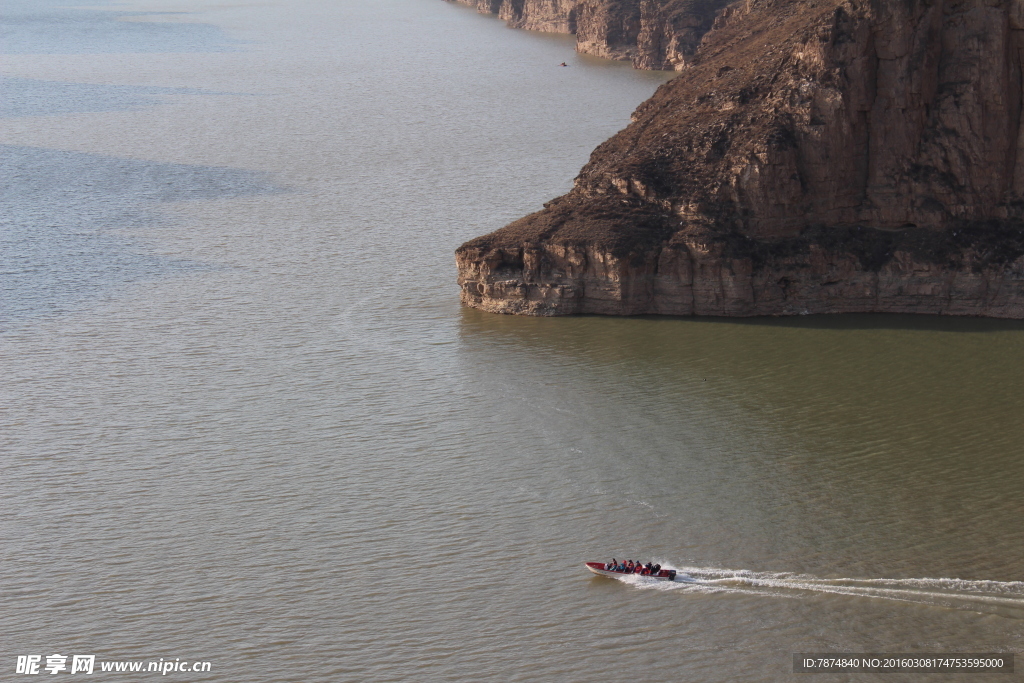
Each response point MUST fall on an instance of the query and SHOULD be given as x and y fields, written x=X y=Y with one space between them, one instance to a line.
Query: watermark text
x=33 y=665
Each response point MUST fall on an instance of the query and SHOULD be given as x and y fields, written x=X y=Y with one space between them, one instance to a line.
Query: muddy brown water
x=244 y=420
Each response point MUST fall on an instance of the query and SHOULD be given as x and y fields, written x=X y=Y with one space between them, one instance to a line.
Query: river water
x=244 y=420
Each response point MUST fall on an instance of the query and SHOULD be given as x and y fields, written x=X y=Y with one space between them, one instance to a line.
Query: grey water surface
x=244 y=420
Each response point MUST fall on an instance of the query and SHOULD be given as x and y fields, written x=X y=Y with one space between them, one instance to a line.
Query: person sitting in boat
x=611 y=565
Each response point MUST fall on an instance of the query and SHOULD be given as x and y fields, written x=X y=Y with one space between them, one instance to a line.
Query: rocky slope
x=653 y=34
x=818 y=156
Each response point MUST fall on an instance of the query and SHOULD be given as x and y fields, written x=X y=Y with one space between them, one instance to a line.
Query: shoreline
x=807 y=161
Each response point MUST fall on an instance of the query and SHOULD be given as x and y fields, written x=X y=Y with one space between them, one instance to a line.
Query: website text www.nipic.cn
x=87 y=664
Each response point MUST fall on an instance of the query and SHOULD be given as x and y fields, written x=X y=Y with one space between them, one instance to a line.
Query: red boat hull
x=599 y=569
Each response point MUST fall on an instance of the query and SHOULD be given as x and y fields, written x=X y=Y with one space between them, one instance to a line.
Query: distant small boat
x=599 y=569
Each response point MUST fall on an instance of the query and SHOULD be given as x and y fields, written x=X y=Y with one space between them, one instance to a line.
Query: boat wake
x=1005 y=598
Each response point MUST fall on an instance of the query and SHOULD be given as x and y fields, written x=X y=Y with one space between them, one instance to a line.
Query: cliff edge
x=652 y=34
x=816 y=156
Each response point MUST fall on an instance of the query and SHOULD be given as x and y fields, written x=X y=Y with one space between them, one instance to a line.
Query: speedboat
x=599 y=569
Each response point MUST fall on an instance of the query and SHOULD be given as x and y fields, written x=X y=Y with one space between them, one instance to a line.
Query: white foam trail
x=1003 y=597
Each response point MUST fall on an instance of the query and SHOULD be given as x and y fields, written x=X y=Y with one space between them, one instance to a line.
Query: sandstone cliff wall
x=700 y=279
x=818 y=156
x=653 y=34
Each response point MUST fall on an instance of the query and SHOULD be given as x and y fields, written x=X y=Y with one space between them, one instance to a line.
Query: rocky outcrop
x=819 y=156
x=653 y=34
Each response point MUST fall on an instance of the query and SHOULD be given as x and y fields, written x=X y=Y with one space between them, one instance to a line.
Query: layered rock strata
x=819 y=156
x=653 y=34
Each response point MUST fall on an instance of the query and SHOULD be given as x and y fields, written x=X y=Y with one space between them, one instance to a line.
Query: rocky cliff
x=817 y=156
x=653 y=34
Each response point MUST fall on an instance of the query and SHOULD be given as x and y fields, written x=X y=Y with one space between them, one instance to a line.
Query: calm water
x=243 y=418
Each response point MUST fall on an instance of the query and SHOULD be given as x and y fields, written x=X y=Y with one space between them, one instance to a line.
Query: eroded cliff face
x=653 y=34
x=818 y=156
x=704 y=278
